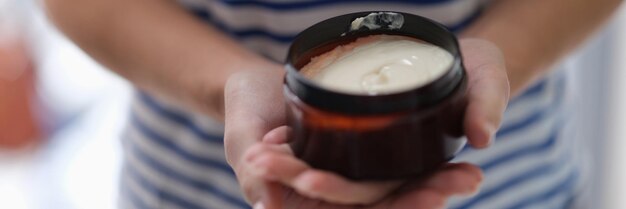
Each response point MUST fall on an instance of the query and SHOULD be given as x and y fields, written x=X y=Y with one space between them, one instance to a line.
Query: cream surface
x=380 y=64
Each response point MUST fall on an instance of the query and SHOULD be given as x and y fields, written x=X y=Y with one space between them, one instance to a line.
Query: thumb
x=488 y=90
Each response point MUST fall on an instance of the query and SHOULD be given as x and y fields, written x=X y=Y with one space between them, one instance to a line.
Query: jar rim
x=340 y=28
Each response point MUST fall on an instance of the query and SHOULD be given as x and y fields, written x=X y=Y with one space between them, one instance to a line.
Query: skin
x=162 y=49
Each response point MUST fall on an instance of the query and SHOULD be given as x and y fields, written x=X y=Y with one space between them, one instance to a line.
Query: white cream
x=381 y=64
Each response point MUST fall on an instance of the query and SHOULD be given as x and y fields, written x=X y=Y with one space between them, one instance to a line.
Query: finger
x=418 y=199
x=258 y=191
x=264 y=162
x=262 y=194
x=252 y=187
x=278 y=135
x=488 y=91
x=333 y=188
x=260 y=149
x=273 y=163
x=278 y=166
x=273 y=197
x=455 y=179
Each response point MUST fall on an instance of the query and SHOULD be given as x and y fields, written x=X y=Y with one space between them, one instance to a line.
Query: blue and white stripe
x=176 y=161
x=269 y=26
x=175 y=157
x=532 y=154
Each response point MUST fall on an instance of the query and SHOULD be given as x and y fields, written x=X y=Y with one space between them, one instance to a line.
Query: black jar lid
x=340 y=30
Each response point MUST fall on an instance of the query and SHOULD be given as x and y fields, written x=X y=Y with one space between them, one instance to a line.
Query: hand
x=271 y=176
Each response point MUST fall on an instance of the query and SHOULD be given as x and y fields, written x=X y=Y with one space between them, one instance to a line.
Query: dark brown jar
x=381 y=137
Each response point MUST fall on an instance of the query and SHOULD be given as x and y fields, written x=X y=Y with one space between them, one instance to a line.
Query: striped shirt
x=175 y=158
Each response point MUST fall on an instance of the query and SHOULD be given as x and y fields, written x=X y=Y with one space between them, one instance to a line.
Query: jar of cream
x=376 y=95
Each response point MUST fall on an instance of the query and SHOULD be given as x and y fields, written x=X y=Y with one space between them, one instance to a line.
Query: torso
x=175 y=158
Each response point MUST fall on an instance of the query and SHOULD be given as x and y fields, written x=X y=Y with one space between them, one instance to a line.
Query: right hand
x=272 y=178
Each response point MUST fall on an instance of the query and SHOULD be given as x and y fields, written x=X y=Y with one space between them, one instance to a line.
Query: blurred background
x=61 y=115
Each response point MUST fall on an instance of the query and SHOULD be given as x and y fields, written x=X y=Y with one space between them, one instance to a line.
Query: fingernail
x=490 y=132
x=260 y=170
x=472 y=191
x=491 y=140
x=259 y=205
x=304 y=187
